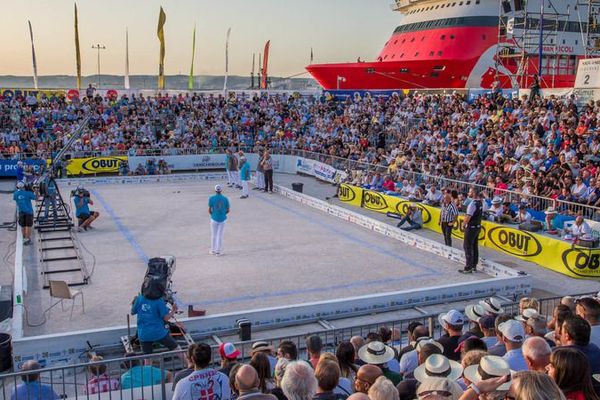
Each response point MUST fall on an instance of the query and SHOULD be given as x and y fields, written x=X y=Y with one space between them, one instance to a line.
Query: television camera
x=157 y=280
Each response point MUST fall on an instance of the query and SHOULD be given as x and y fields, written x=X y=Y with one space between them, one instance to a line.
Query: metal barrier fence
x=538 y=203
x=150 y=377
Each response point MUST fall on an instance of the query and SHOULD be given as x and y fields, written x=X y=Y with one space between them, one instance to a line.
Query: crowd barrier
x=549 y=252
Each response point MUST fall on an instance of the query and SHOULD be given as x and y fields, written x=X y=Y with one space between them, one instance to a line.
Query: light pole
x=340 y=79
x=98 y=47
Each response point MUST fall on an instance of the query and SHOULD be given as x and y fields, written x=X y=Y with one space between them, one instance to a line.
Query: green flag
x=191 y=78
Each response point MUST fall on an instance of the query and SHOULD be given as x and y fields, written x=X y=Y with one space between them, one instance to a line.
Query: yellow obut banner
x=94 y=165
x=549 y=252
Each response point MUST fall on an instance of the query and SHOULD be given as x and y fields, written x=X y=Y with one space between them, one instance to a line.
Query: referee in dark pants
x=472 y=225
x=448 y=217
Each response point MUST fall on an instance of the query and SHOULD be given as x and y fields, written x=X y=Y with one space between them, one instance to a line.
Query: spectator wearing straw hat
x=438 y=366
x=474 y=312
x=377 y=353
x=264 y=347
x=490 y=367
x=218 y=208
x=408 y=387
x=383 y=389
x=492 y=306
x=439 y=389
x=551 y=220
x=452 y=322
x=229 y=355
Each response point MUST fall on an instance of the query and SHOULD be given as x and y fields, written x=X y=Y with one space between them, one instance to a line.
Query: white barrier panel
x=319 y=170
x=194 y=162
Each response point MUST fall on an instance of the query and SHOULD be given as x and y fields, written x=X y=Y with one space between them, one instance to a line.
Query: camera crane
x=60 y=255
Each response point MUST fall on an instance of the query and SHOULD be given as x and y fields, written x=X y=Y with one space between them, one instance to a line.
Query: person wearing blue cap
x=218 y=208
x=23 y=197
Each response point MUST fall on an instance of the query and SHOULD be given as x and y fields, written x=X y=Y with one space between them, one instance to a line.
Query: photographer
x=23 y=197
x=82 y=201
x=152 y=316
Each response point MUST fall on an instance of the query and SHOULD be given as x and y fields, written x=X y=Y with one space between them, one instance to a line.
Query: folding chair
x=60 y=290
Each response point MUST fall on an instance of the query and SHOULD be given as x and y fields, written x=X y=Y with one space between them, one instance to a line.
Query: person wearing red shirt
x=388 y=184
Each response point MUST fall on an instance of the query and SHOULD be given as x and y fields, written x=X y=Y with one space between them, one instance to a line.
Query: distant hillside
x=203 y=82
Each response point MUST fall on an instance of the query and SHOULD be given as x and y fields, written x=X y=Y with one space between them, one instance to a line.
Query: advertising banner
x=184 y=163
x=94 y=165
x=549 y=252
x=319 y=170
x=10 y=93
x=9 y=167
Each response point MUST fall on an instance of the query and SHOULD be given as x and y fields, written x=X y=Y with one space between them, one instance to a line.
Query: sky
x=338 y=31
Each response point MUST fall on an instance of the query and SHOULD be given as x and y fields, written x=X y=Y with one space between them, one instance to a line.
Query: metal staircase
x=59 y=255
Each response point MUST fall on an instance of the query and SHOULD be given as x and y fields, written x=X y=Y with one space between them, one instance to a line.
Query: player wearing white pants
x=244 y=176
x=218 y=208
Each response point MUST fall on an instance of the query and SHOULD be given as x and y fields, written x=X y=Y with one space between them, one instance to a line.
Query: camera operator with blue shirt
x=82 y=210
x=23 y=197
x=152 y=316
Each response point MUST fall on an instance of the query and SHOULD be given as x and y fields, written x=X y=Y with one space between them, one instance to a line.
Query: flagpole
x=126 y=81
x=77 y=51
x=35 y=77
x=191 y=78
x=226 y=60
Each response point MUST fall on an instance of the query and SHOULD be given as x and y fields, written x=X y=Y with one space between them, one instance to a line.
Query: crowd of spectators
x=543 y=147
x=482 y=353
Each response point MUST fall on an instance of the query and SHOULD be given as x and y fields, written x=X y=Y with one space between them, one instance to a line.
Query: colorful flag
x=35 y=77
x=162 y=18
x=265 y=69
x=191 y=78
x=226 y=60
x=77 y=52
x=126 y=82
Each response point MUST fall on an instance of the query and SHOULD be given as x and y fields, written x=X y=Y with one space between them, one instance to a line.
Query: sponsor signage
x=184 y=163
x=588 y=74
x=319 y=170
x=9 y=167
x=10 y=93
x=549 y=252
x=94 y=165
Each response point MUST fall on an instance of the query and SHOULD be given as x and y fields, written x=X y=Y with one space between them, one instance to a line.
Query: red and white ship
x=472 y=43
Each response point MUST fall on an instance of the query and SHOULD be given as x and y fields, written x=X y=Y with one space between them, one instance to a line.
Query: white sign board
x=588 y=74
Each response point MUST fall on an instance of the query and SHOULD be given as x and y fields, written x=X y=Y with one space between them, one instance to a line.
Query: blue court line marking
x=122 y=228
x=293 y=292
x=349 y=236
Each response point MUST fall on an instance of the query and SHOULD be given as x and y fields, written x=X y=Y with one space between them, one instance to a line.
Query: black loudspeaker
x=519 y=5
x=245 y=329
x=506 y=6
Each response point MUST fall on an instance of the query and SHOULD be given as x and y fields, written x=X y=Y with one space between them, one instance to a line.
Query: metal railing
x=74 y=381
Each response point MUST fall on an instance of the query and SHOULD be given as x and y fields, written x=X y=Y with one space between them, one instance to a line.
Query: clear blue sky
x=338 y=30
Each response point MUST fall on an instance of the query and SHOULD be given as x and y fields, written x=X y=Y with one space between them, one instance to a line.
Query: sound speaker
x=245 y=329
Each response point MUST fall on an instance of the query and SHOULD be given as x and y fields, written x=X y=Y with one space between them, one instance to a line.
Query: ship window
x=393 y=55
x=422 y=38
x=551 y=41
x=438 y=6
x=370 y=70
x=417 y=54
x=443 y=37
x=435 y=74
x=576 y=42
x=451 y=36
x=439 y=68
x=468 y=2
x=412 y=40
x=401 y=55
x=403 y=41
x=439 y=53
x=461 y=3
x=385 y=58
x=443 y=5
x=395 y=41
x=404 y=70
x=431 y=53
x=453 y=4
x=564 y=41
x=477 y=1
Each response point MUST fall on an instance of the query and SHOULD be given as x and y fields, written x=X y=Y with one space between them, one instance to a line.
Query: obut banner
x=549 y=252
x=94 y=165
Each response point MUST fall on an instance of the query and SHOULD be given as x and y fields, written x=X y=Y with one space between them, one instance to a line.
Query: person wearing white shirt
x=580 y=229
x=204 y=383
x=523 y=216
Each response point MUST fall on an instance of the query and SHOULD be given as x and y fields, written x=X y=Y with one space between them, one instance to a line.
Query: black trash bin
x=297 y=187
x=5 y=352
x=245 y=329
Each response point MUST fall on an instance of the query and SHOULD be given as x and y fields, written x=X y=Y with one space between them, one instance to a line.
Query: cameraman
x=152 y=316
x=82 y=211
x=23 y=197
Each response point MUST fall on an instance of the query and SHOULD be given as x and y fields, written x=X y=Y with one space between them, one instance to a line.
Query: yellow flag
x=162 y=18
x=77 y=52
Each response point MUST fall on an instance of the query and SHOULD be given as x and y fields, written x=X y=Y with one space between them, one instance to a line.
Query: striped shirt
x=449 y=212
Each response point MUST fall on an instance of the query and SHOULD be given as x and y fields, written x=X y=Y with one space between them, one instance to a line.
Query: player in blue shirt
x=244 y=176
x=82 y=210
x=23 y=198
x=218 y=208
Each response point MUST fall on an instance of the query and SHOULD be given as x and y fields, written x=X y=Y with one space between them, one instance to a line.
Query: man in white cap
x=452 y=322
x=218 y=208
x=513 y=335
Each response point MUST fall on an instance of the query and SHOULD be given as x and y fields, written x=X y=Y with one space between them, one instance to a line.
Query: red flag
x=263 y=83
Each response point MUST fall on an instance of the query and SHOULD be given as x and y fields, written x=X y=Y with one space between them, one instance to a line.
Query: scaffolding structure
x=525 y=44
